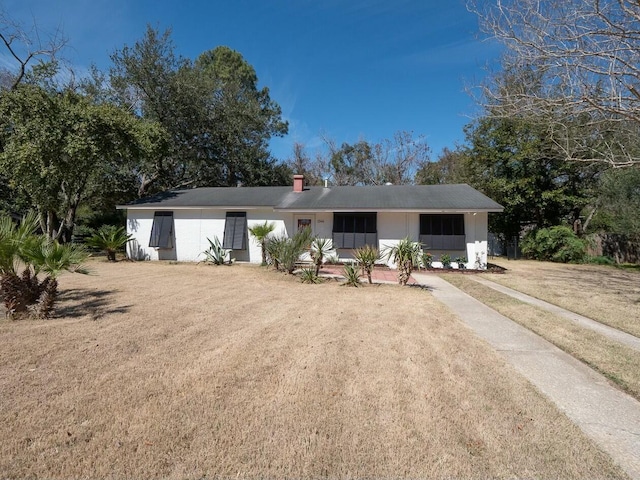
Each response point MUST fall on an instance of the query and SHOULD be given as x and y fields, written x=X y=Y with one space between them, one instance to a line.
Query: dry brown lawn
x=183 y=371
x=606 y=294
x=618 y=362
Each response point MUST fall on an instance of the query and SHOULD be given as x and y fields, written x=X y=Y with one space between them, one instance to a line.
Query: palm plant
x=12 y=238
x=110 y=239
x=406 y=254
x=261 y=233
x=367 y=257
x=51 y=259
x=320 y=248
x=21 y=248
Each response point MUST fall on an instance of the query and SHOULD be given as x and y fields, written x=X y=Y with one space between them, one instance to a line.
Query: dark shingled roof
x=387 y=197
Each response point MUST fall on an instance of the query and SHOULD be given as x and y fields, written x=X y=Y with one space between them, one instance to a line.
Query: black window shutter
x=354 y=230
x=442 y=232
x=235 y=231
x=162 y=230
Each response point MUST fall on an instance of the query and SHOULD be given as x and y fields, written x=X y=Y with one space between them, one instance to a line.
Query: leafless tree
x=574 y=64
x=26 y=45
x=394 y=160
x=302 y=164
x=397 y=160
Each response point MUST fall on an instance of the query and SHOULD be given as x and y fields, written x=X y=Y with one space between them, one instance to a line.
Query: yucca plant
x=215 y=253
x=261 y=233
x=320 y=248
x=351 y=275
x=309 y=275
x=332 y=259
x=274 y=247
x=110 y=239
x=406 y=254
x=293 y=247
x=367 y=257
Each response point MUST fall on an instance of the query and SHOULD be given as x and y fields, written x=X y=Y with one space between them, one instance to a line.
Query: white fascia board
x=290 y=210
x=388 y=210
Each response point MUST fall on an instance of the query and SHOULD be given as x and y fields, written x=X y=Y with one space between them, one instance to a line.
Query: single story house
x=175 y=225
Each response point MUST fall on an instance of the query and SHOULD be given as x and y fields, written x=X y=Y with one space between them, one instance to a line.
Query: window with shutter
x=235 y=231
x=162 y=230
x=355 y=230
x=442 y=232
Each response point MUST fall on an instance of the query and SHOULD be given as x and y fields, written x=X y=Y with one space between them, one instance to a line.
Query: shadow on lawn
x=78 y=302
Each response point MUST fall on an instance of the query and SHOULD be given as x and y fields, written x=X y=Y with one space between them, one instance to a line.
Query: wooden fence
x=622 y=248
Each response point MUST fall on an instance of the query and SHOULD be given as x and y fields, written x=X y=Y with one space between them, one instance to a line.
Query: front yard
x=606 y=294
x=184 y=371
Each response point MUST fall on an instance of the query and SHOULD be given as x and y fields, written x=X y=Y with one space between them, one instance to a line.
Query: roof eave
x=193 y=207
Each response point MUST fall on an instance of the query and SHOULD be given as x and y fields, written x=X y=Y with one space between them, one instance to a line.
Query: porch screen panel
x=162 y=230
x=235 y=231
x=355 y=230
x=442 y=232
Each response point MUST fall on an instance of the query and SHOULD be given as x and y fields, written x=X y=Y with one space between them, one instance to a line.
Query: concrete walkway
x=608 y=416
x=610 y=332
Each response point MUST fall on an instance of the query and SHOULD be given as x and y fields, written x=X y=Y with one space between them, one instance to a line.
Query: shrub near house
x=555 y=244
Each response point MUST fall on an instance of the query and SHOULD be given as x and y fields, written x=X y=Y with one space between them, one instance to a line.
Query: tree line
x=556 y=143
x=154 y=121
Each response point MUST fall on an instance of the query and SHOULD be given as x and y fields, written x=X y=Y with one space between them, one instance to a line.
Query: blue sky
x=346 y=69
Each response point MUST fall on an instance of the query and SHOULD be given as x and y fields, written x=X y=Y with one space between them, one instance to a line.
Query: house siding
x=192 y=227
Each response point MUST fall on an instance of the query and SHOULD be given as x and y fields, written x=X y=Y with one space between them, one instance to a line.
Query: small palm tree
x=261 y=233
x=406 y=254
x=51 y=259
x=12 y=238
x=110 y=239
x=320 y=248
x=367 y=257
x=21 y=248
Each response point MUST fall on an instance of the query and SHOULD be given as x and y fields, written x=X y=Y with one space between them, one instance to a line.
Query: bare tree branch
x=574 y=64
x=26 y=45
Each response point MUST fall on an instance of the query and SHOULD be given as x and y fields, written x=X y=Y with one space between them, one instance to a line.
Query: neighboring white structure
x=175 y=225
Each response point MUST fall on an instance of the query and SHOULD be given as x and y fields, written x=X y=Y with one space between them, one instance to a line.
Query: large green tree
x=515 y=163
x=59 y=147
x=617 y=205
x=218 y=120
x=450 y=167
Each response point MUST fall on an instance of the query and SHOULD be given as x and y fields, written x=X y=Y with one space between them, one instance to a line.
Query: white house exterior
x=176 y=225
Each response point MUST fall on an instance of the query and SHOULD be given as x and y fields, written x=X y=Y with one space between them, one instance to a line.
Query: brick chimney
x=298 y=183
